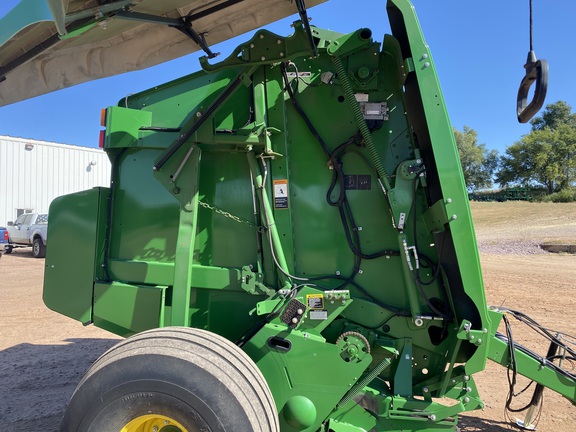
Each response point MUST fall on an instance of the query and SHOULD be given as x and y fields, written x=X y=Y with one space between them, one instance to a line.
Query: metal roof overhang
x=47 y=45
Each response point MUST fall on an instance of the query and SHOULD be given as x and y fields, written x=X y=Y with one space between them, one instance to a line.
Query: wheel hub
x=153 y=423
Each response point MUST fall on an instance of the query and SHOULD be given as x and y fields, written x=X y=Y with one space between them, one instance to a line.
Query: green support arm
x=529 y=364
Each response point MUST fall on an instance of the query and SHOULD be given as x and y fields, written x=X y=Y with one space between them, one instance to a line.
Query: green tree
x=554 y=115
x=547 y=155
x=478 y=163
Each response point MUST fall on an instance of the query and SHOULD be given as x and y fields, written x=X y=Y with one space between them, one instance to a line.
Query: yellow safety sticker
x=315 y=301
x=280 y=194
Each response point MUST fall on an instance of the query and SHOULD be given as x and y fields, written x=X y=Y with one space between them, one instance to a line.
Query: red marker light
x=102 y=139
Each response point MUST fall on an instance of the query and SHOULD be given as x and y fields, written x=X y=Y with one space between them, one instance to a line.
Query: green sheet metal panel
x=127 y=309
x=74 y=253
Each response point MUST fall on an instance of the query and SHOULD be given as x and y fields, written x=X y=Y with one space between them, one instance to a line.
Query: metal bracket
x=183 y=24
x=265 y=47
x=252 y=282
x=301 y=5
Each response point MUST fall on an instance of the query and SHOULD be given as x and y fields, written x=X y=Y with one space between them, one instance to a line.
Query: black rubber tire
x=192 y=376
x=7 y=249
x=38 y=248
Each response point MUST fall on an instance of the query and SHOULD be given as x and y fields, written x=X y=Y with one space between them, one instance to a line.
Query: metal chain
x=229 y=215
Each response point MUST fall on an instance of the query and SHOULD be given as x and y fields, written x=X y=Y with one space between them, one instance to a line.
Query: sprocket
x=353 y=346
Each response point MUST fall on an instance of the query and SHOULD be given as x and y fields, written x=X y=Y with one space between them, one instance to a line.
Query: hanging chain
x=229 y=215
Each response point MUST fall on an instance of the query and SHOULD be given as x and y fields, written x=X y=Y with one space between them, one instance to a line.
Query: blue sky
x=479 y=48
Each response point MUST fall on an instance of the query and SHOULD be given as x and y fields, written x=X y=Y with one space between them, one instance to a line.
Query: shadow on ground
x=474 y=424
x=38 y=381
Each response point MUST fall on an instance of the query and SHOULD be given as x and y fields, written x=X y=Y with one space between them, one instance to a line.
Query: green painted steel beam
x=186 y=241
x=531 y=366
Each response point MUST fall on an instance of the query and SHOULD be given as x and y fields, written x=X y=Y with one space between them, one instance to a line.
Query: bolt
x=453 y=217
x=432 y=417
x=466 y=378
x=261 y=36
x=155 y=429
x=262 y=58
x=300 y=311
x=425 y=55
x=281 y=54
x=425 y=390
x=294 y=320
x=468 y=389
x=426 y=64
x=251 y=45
x=198 y=114
x=466 y=399
x=448 y=200
x=278 y=41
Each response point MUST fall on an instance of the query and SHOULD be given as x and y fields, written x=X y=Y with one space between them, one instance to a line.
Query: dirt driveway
x=43 y=355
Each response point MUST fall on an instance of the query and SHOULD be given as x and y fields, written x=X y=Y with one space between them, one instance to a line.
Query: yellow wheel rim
x=153 y=423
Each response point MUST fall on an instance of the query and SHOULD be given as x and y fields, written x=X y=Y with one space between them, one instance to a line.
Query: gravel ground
x=511 y=247
x=43 y=355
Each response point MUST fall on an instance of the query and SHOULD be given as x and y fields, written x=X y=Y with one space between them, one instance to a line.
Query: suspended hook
x=536 y=72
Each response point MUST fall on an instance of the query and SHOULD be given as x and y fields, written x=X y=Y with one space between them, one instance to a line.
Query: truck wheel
x=7 y=249
x=174 y=379
x=38 y=248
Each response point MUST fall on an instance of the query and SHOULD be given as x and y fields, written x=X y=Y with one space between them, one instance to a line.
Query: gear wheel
x=353 y=346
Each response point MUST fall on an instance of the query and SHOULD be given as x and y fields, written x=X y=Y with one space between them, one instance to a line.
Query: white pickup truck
x=30 y=229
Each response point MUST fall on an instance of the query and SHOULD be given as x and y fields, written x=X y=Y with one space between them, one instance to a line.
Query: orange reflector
x=103 y=112
x=101 y=139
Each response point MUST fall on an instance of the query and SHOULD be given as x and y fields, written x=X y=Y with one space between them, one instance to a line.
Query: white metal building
x=33 y=173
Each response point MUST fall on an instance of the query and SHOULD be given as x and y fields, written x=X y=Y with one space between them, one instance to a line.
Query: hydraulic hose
x=349 y=95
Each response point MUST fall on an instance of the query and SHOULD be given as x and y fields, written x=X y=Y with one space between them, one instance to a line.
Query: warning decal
x=280 y=194
x=315 y=301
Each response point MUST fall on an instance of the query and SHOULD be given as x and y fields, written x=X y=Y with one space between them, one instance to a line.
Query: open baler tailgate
x=47 y=45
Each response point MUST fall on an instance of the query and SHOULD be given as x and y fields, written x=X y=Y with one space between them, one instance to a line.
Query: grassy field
x=519 y=220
